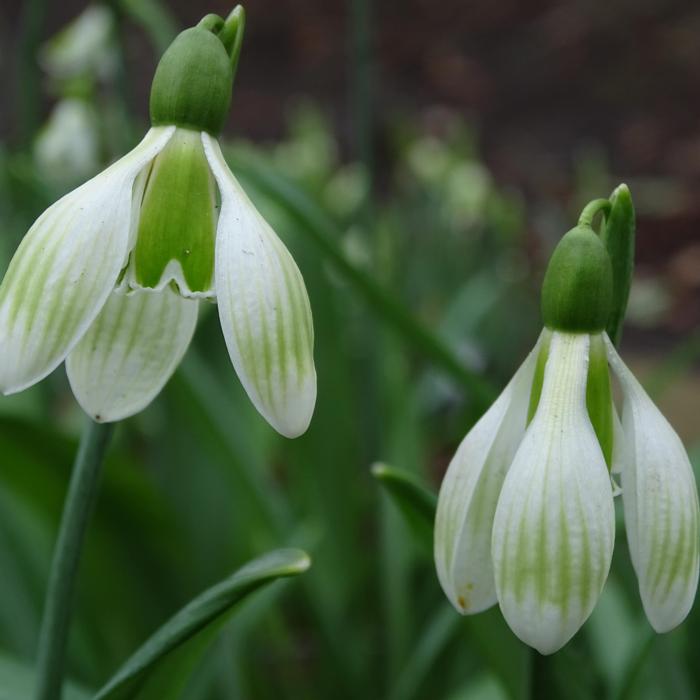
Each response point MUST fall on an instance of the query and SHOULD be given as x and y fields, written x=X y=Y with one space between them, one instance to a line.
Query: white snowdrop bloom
x=109 y=278
x=525 y=513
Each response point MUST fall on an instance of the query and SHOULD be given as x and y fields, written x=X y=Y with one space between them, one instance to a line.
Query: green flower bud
x=193 y=82
x=577 y=288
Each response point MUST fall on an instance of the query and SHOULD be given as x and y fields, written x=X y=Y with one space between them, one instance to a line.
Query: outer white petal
x=65 y=268
x=470 y=491
x=263 y=307
x=553 y=533
x=661 y=506
x=130 y=351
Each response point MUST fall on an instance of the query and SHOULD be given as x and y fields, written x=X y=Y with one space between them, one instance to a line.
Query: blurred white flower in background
x=85 y=46
x=66 y=150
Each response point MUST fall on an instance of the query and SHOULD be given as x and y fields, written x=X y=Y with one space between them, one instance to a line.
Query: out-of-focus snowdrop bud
x=67 y=149
x=83 y=47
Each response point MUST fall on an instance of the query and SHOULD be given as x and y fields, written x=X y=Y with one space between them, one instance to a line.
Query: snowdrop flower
x=109 y=278
x=525 y=513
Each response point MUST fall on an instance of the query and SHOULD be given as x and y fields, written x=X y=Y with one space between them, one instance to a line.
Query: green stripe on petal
x=553 y=531
x=175 y=237
x=263 y=307
x=66 y=267
x=130 y=351
x=469 y=493
x=599 y=396
x=660 y=500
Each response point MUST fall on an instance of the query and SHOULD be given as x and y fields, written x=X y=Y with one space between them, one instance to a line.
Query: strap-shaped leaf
x=416 y=502
x=161 y=666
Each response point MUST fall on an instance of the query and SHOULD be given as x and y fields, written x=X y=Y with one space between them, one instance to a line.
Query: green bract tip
x=577 y=288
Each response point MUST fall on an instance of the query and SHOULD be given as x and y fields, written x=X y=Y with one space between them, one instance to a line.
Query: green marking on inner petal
x=296 y=347
x=599 y=396
x=564 y=583
x=586 y=578
x=661 y=551
x=538 y=379
x=176 y=222
x=677 y=565
x=522 y=566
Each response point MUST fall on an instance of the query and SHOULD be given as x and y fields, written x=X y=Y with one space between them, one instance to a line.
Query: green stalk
x=80 y=500
x=591 y=209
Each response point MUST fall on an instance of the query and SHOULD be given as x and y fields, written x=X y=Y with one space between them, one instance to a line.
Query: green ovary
x=177 y=221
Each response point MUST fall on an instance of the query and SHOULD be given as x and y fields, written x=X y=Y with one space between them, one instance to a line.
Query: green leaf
x=17 y=682
x=161 y=666
x=618 y=236
x=416 y=502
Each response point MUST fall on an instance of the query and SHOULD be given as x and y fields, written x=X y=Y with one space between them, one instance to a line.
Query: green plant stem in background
x=362 y=98
x=29 y=92
x=82 y=493
x=156 y=20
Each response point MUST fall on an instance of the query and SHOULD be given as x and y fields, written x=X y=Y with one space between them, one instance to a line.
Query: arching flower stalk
x=525 y=513
x=110 y=277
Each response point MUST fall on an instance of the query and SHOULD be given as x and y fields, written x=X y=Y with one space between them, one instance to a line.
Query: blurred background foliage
x=420 y=162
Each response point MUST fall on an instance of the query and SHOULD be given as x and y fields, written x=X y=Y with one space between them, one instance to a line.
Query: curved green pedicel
x=177 y=220
x=193 y=82
x=577 y=287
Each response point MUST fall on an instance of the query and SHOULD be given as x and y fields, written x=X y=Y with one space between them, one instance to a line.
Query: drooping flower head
x=110 y=277
x=525 y=513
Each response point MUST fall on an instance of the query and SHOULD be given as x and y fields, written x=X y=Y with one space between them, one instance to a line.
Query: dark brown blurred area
x=544 y=84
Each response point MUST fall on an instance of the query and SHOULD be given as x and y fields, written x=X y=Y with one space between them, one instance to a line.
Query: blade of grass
x=187 y=631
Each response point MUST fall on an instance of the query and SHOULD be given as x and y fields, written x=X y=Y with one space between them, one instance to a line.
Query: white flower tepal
x=661 y=506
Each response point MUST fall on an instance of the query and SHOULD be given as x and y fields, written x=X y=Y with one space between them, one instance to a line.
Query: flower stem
x=82 y=493
x=591 y=209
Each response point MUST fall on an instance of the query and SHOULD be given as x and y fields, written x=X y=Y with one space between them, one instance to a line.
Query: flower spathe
x=109 y=279
x=525 y=514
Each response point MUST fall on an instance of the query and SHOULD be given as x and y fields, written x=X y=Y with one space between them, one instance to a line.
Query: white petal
x=470 y=491
x=130 y=351
x=661 y=506
x=553 y=532
x=263 y=307
x=65 y=268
